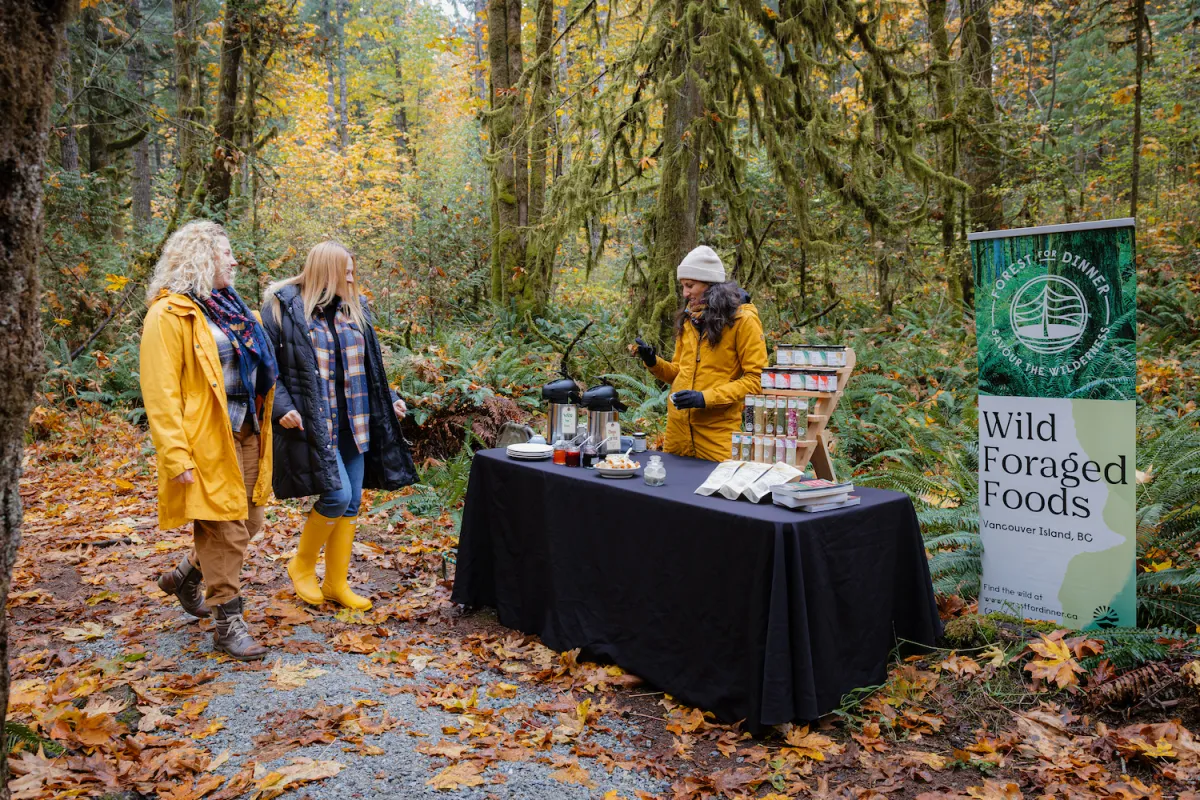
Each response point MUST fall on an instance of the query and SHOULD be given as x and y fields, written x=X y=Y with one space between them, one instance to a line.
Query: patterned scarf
x=696 y=315
x=251 y=347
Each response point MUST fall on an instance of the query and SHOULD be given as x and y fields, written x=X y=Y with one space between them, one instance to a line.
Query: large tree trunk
x=943 y=99
x=510 y=173
x=30 y=37
x=224 y=153
x=326 y=29
x=1140 y=24
x=677 y=212
x=189 y=99
x=343 y=117
x=480 y=9
x=981 y=166
x=141 y=150
x=69 y=145
x=534 y=286
x=400 y=114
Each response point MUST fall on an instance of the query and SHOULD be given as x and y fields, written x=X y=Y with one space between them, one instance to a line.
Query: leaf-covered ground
x=120 y=694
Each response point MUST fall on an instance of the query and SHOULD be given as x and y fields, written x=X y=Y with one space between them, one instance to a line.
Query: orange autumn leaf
x=1056 y=663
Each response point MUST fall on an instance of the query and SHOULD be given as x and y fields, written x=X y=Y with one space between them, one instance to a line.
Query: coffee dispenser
x=562 y=399
x=603 y=406
x=562 y=409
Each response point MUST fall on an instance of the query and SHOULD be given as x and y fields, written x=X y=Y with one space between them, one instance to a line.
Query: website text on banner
x=1055 y=315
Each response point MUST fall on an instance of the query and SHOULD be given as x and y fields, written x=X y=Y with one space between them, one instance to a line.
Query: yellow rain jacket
x=183 y=390
x=725 y=374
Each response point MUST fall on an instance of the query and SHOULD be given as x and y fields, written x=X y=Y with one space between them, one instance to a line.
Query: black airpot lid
x=602 y=398
x=563 y=390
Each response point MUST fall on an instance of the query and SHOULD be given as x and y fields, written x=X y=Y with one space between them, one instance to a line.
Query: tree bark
x=224 y=153
x=141 y=151
x=189 y=99
x=69 y=144
x=326 y=29
x=481 y=89
x=343 y=117
x=981 y=166
x=400 y=114
x=677 y=211
x=1140 y=23
x=510 y=174
x=943 y=100
x=534 y=286
x=31 y=35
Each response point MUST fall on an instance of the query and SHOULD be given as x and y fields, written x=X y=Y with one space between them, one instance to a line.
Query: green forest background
x=507 y=172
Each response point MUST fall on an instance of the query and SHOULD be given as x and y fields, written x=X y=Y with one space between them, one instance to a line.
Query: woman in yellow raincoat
x=719 y=357
x=208 y=378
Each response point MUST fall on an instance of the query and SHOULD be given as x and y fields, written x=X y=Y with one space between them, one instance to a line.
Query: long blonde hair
x=189 y=261
x=323 y=277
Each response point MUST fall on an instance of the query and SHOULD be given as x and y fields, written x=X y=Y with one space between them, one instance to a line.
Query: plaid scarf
x=696 y=315
x=251 y=347
x=354 y=363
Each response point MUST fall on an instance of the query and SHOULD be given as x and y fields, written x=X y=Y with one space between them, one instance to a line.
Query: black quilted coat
x=305 y=463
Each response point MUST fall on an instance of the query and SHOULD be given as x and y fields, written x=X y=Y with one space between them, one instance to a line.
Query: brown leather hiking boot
x=232 y=636
x=184 y=583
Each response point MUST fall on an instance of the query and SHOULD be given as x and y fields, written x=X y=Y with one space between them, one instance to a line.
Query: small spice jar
x=639 y=442
x=767 y=379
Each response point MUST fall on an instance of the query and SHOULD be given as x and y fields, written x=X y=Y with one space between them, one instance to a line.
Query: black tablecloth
x=754 y=612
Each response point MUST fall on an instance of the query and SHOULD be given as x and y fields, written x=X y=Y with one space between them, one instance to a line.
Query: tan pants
x=221 y=546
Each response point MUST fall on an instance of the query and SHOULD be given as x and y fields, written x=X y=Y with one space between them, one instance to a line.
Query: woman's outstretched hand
x=292 y=420
x=646 y=352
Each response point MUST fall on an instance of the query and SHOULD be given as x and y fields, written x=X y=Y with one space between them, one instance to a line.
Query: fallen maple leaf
x=300 y=770
x=502 y=690
x=571 y=772
x=994 y=790
x=292 y=676
x=1056 y=664
x=960 y=665
x=87 y=632
x=464 y=773
x=810 y=745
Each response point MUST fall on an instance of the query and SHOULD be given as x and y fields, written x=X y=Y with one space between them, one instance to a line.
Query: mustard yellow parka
x=183 y=390
x=725 y=374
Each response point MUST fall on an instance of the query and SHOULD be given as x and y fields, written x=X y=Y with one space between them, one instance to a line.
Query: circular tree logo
x=1048 y=314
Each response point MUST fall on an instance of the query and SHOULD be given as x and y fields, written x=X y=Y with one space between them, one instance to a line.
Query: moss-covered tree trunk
x=981 y=164
x=677 y=210
x=136 y=71
x=189 y=99
x=31 y=33
x=509 y=162
x=943 y=100
x=223 y=161
x=535 y=284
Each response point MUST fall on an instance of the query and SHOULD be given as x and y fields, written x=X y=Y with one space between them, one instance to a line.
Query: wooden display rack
x=814 y=448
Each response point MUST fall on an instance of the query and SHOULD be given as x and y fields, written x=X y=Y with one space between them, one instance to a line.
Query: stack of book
x=814 y=494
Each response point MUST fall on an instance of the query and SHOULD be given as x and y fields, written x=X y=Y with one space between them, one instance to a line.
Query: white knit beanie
x=702 y=264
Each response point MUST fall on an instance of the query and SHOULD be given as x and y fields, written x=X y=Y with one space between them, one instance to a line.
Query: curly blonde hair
x=189 y=261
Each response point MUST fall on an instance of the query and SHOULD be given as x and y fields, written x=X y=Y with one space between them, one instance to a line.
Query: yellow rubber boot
x=337 y=566
x=302 y=568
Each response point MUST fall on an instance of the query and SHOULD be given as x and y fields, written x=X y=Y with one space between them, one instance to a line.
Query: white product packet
x=718 y=477
x=742 y=479
x=780 y=472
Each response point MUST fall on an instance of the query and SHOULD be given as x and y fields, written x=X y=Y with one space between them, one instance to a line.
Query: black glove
x=646 y=352
x=688 y=399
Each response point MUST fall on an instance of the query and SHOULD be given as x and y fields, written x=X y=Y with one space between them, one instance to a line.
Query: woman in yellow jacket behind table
x=719 y=358
x=208 y=378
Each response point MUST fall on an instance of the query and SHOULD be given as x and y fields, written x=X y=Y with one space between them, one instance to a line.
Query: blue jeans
x=345 y=501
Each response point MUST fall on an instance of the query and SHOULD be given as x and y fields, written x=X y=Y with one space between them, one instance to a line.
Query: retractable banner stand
x=1055 y=316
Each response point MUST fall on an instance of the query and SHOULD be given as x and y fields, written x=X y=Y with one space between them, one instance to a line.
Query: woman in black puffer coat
x=337 y=423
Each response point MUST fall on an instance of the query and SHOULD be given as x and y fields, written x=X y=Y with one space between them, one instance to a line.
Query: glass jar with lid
x=655 y=473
